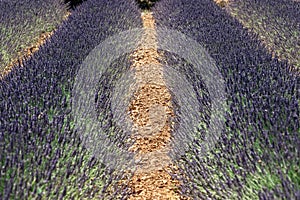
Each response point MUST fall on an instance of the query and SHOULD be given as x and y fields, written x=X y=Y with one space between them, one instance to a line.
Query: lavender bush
x=277 y=24
x=258 y=153
x=23 y=22
x=41 y=153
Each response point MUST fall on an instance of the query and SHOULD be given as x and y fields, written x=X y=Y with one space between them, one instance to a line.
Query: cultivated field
x=162 y=99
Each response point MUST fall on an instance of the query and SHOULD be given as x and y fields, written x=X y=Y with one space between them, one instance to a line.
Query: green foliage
x=146 y=4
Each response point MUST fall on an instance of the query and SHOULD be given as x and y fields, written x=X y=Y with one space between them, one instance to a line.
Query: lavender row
x=257 y=154
x=286 y=9
x=277 y=24
x=23 y=22
x=41 y=153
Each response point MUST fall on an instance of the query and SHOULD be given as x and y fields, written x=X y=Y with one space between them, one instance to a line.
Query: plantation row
x=257 y=155
x=23 y=23
x=41 y=155
x=277 y=24
x=26 y=24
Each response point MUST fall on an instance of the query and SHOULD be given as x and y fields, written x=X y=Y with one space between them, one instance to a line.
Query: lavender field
x=231 y=70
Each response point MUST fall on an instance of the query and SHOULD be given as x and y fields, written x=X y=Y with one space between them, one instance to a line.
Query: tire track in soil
x=151 y=111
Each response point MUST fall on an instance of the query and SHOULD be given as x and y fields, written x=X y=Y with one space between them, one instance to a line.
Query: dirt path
x=222 y=3
x=151 y=110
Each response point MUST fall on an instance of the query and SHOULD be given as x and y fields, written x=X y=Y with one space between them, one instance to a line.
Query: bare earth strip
x=29 y=51
x=222 y=3
x=151 y=110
